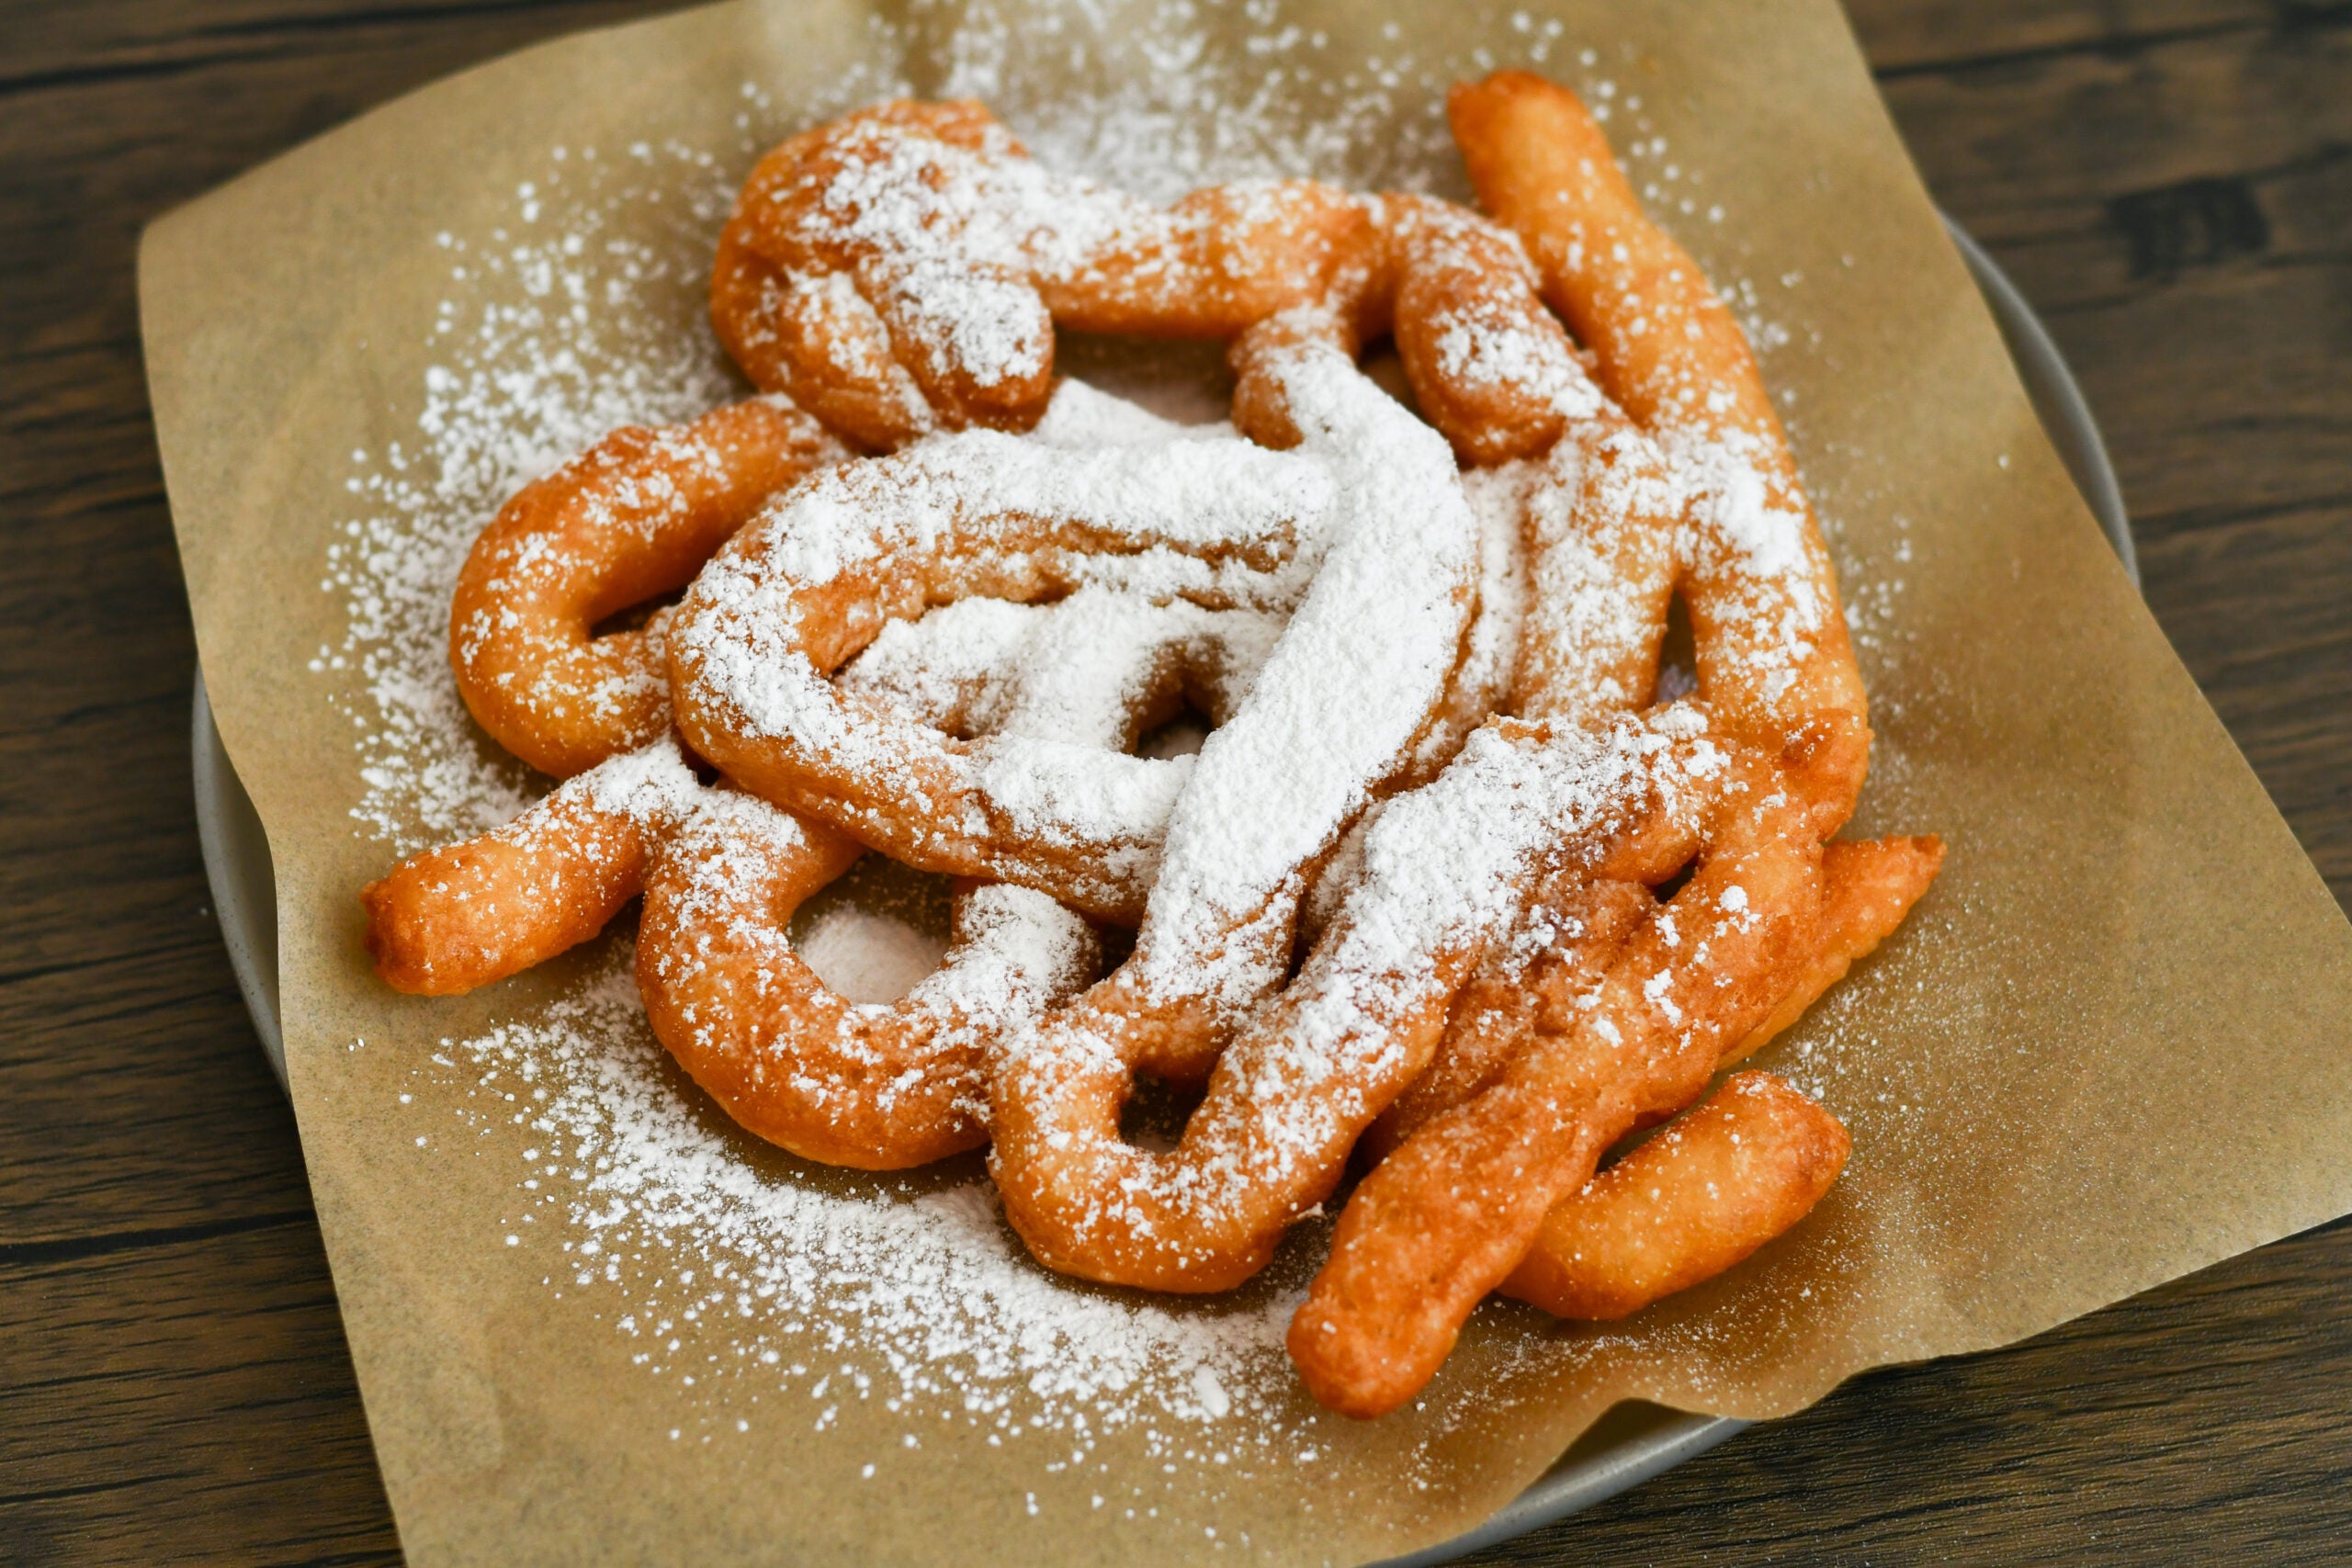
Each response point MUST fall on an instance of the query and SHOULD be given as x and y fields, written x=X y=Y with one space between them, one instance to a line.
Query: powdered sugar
x=949 y=232
x=738 y=1271
x=1602 y=499
x=1746 y=532
x=868 y=957
x=652 y=785
x=1354 y=684
x=1171 y=516
x=1486 y=342
x=1498 y=498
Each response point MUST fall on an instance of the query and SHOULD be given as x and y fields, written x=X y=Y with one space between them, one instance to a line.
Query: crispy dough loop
x=1776 y=667
x=633 y=518
x=878 y=1087
x=1489 y=366
x=961 y=253
x=817 y=339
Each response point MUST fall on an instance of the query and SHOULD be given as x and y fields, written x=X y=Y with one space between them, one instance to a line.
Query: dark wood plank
x=68 y=43
x=209 y=1392
x=173 y=1381
x=2170 y=180
x=1920 y=36
x=2093 y=1443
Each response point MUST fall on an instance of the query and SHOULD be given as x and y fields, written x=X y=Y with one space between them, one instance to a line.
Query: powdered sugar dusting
x=1159 y=524
x=868 y=957
x=942 y=1309
x=550 y=337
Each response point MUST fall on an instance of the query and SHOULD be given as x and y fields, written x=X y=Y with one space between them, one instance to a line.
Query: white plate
x=1627 y=1446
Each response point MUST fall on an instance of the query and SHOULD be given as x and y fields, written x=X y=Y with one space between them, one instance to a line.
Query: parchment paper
x=2104 y=1052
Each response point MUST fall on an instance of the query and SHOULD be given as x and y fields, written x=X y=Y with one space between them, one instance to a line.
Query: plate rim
x=238 y=867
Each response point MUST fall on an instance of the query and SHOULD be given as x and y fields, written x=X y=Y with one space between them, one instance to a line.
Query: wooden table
x=2170 y=181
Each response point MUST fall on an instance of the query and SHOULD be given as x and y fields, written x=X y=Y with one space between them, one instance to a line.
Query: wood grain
x=2169 y=180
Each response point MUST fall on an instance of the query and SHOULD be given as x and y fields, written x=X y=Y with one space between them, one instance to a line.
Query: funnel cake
x=1453 y=889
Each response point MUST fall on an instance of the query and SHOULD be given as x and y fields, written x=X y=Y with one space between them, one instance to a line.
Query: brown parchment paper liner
x=2103 y=1053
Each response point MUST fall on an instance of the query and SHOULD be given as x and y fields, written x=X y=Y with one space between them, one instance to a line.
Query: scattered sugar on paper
x=919 y=1300
x=868 y=957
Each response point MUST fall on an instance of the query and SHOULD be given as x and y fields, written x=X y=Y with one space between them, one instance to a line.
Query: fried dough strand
x=630 y=519
x=453 y=918
x=1734 y=1172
